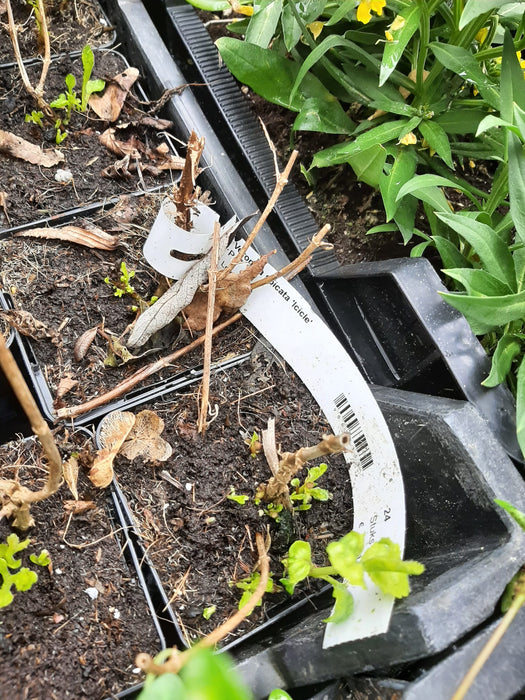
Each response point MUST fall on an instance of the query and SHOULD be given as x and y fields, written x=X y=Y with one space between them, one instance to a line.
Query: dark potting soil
x=63 y=285
x=200 y=541
x=55 y=640
x=30 y=192
x=71 y=26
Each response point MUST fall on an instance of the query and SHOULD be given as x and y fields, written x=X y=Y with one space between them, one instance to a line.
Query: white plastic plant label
x=166 y=241
x=310 y=348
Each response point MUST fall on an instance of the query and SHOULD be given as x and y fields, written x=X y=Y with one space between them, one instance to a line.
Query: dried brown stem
x=36 y=93
x=208 y=336
x=292 y=462
x=279 y=186
x=140 y=375
x=19 y=497
x=178 y=660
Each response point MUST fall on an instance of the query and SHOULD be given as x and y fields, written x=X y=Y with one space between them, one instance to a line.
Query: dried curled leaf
x=92 y=238
x=16 y=147
x=114 y=429
x=70 y=470
x=144 y=439
x=120 y=148
x=83 y=343
x=109 y=105
x=77 y=507
x=26 y=324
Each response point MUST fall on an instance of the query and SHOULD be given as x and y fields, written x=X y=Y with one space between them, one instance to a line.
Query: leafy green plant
x=124 y=285
x=237 y=497
x=308 y=490
x=68 y=100
x=35 y=117
x=24 y=578
x=208 y=611
x=381 y=562
x=424 y=72
x=249 y=584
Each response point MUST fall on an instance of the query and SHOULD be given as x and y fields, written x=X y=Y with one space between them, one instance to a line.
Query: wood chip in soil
x=198 y=540
x=55 y=640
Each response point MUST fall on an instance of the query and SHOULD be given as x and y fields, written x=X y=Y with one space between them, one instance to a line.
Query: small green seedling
x=89 y=86
x=305 y=492
x=237 y=497
x=249 y=585
x=67 y=100
x=60 y=135
x=124 y=287
x=35 y=117
x=24 y=578
x=381 y=562
x=208 y=612
x=254 y=444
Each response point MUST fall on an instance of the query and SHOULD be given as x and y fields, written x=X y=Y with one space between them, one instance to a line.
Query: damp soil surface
x=71 y=26
x=30 y=192
x=200 y=542
x=58 y=641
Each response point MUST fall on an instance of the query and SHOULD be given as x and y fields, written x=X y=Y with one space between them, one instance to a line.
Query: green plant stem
x=489 y=647
x=424 y=39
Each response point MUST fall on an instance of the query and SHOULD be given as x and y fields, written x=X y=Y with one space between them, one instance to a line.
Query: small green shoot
x=88 y=86
x=208 y=612
x=518 y=516
x=59 y=134
x=381 y=562
x=250 y=583
x=305 y=492
x=67 y=100
x=35 y=117
x=272 y=510
x=124 y=286
x=24 y=578
x=254 y=444
x=237 y=497
x=43 y=559
x=279 y=694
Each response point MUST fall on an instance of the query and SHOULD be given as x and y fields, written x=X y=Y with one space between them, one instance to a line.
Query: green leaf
x=343 y=556
x=215 y=5
x=308 y=10
x=279 y=694
x=164 y=687
x=339 y=153
x=313 y=57
x=43 y=559
x=518 y=516
x=511 y=79
x=393 y=50
x=519 y=266
x=405 y=217
x=340 y=13
x=450 y=255
x=382 y=562
x=520 y=405
x=507 y=349
x=491 y=122
x=437 y=139
x=519 y=120
x=12 y=546
x=209 y=611
x=491 y=249
x=475 y=8
x=402 y=171
x=325 y=115
x=486 y=313
x=368 y=165
x=24 y=579
x=460 y=121
x=298 y=563
x=70 y=81
x=264 y=23
x=463 y=63
x=517 y=185
x=478 y=282
x=344 y=604
x=212 y=676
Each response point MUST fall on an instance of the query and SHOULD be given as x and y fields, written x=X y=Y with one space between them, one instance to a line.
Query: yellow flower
x=398 y=23
x=482 y=35
x=366 y=7
x=389 y=36
x=408 y=139
x=241 y=9
x=316 y=28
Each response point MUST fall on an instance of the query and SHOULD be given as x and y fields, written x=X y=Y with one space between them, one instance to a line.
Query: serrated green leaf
x=437 y=139
x=463 y=63
x=507 y=349
x=393 y=50
x=343 y=556
x=344 y=604
x=402 y=171
x=43 y=559
x=382 y=562
x=24 y=579
x=518 y=516
x=264 y=23
x=487 y=313
x=491 y=249
x=339 y=153
x=298 y=562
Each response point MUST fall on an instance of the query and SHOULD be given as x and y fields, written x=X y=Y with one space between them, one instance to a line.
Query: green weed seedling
x=381 y=562
x=237 y=497
x=308 y=490
x=124 y=286
x=35 y=117
x=24 y=578
x=250 y=583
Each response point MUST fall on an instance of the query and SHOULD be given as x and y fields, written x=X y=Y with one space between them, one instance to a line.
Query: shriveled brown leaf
x=65 y=385
x=92 y=238
x=77 y=507
x=131 y=147
x=16 y=147
x=3 y=205
x=109 y=105
x=70 y=468
x=114 y=429
x=144 y=439
x=147 y=120
x=120 y=168
x=83 y=343
x=26 y=324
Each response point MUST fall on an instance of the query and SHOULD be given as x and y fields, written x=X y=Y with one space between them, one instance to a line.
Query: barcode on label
x=354 y=428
